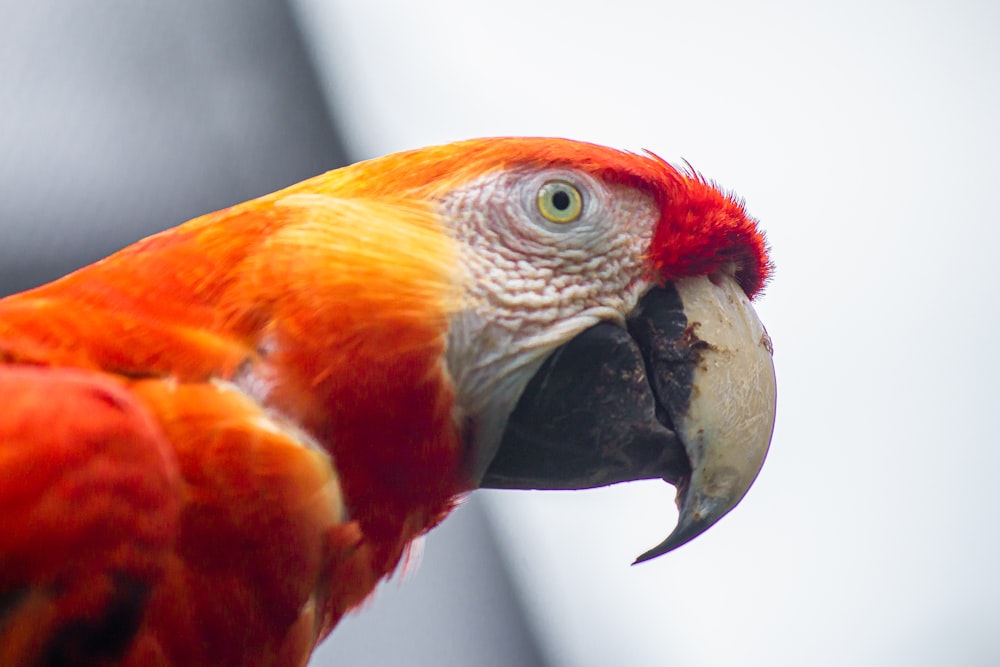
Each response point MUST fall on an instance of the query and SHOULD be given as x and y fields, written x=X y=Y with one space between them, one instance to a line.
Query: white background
x=864 y=137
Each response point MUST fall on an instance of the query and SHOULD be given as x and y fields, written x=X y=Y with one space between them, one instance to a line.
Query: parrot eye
x=560 y=202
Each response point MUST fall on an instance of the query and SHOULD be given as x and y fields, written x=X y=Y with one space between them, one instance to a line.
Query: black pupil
x=560 y=200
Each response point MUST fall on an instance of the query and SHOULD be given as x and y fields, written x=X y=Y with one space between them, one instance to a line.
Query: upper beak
x=686 y=394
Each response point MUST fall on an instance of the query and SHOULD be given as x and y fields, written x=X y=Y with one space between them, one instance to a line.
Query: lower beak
x=686 y=394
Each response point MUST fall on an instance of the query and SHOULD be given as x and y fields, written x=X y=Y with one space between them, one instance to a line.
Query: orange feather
x=319 y=310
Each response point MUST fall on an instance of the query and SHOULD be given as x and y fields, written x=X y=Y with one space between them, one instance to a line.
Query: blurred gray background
x=119 y=119
x=863 y=134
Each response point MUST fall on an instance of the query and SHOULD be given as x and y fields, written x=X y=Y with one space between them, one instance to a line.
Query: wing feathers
x=89 y=508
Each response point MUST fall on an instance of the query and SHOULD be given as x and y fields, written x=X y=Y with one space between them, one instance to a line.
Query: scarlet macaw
x=218 y=440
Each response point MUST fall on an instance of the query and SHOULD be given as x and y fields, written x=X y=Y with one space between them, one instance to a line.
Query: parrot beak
x=686 y=393
x=727 y=420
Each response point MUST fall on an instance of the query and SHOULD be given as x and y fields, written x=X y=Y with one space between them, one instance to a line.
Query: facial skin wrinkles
x=528 y=275
x=531 y=285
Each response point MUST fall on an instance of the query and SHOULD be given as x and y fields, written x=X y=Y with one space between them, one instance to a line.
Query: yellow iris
x=560 y=202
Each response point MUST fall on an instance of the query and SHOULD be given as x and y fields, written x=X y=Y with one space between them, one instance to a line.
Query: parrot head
x=603 y=331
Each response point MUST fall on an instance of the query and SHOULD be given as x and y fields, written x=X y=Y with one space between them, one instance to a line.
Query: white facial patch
x=532 y=284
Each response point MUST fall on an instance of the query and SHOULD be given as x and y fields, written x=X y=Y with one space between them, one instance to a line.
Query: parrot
x=217 y=441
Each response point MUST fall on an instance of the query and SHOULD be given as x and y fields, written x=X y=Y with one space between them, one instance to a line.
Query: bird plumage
x=287 y=419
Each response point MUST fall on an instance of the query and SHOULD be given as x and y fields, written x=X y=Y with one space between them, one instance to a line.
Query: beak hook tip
x=685 y=531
